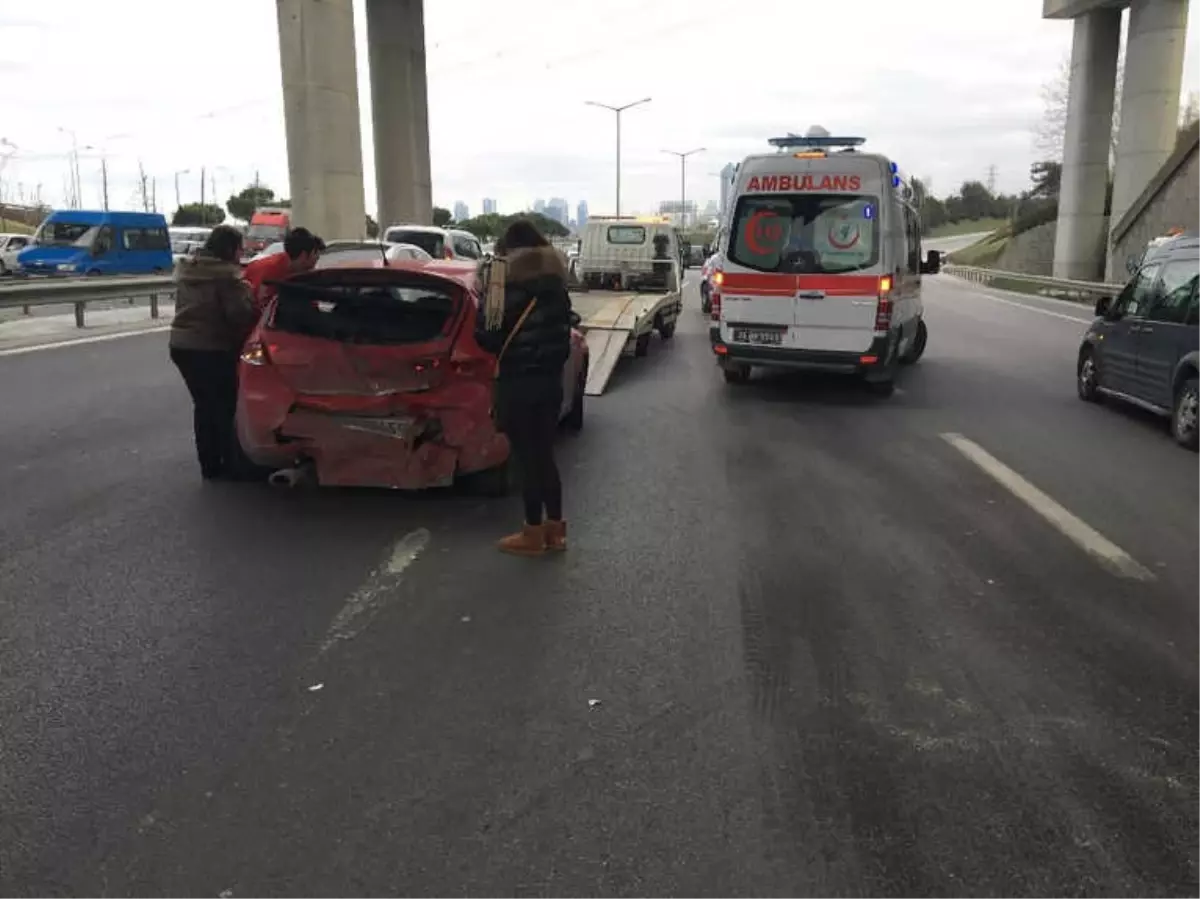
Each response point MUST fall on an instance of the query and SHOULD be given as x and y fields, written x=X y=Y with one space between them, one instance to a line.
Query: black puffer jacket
x=542 y=346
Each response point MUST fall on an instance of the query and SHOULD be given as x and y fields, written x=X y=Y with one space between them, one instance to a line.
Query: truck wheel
x=666 y=330
x=574 y=419
x=642 y=345
x=1184 y=415
x=917 y=350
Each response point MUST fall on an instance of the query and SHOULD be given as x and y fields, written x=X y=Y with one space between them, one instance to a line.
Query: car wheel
x=1184 y=414
x=574 y=419
x=494 y=482
x=735 y=374
x=917 y=350
x=1087 y=377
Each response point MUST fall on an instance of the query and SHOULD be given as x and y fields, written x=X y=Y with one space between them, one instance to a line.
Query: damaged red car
x=367 y=374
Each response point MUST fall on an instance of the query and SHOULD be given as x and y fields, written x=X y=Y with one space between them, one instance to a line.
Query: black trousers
x=528 y=415
x=211 y=378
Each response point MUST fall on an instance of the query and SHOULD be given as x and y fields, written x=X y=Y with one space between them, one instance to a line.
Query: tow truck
x=629 y=280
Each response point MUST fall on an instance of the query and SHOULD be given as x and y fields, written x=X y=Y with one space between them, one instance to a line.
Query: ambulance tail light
x=883 y=307
x=718 y=281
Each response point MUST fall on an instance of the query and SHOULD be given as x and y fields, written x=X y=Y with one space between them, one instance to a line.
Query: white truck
x=629 y=277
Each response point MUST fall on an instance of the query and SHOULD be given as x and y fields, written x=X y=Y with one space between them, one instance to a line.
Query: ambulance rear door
x=805 y=253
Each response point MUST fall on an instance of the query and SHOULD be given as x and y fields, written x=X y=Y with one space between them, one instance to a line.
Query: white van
x=821 y=264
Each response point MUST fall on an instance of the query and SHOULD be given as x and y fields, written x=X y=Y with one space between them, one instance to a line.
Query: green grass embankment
x=966 y=226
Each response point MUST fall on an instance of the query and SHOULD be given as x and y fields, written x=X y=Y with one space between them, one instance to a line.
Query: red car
x=367 y=374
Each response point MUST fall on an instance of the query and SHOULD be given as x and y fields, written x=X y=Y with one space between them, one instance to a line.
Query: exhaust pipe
x=293 y=477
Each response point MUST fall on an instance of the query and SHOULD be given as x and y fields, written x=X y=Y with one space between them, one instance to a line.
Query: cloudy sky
x=946 y=87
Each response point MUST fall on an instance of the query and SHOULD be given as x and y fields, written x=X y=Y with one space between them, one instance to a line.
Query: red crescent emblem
x=763 y=226
x=836 y=244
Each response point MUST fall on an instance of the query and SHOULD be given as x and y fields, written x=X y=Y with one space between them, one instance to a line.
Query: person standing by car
x=214 y=314
x=301 y=250
x=527 y=325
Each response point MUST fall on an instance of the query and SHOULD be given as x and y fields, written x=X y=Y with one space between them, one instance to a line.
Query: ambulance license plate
x=760 y=336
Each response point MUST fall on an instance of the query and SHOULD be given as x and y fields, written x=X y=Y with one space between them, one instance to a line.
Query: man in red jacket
x=301 y=249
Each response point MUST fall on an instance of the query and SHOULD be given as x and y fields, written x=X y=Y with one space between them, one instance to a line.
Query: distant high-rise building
x=728 y=173
x=581 y=213
x=461 y=212
x=489 y=206
x=557 y=209
x=539 y=206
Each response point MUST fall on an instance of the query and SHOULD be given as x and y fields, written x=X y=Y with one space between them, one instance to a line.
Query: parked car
x=440 y=243
x=78 y=241
x=366 y=374
x=11 y=246
x=1142 y=347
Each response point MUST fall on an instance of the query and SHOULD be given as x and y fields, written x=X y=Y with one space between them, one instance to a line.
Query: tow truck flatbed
x=620 y=322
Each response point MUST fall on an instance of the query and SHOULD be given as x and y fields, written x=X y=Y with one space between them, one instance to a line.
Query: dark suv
x=1142 y=347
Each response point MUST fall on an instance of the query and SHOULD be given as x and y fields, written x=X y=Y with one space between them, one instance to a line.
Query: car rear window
x=805 y=233
x=429 y=241
x=365 y=312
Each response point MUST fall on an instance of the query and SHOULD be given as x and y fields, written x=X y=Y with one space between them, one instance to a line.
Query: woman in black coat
x=526 y=321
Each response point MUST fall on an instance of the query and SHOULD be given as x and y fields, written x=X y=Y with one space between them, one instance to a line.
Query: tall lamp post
x=618 y=110
x=683 y=182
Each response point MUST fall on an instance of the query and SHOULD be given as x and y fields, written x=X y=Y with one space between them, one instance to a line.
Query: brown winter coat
x=214 y=309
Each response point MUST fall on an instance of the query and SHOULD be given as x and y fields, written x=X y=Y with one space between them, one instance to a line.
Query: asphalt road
x=802 y=645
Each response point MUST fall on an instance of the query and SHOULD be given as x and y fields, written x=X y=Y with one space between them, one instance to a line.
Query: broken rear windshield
x=365 y=313
x=805 y=233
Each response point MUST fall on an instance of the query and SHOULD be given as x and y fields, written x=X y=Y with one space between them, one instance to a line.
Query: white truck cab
x=820 y=263
x=628 y=253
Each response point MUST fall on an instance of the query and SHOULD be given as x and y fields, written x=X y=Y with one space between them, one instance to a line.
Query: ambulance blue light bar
x=795 y=141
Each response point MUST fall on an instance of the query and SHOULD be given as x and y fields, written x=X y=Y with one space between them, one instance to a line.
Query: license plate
x=760 y=336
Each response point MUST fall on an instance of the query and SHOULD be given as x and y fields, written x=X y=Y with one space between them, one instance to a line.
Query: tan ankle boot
x=556 y=535
x=529 y=541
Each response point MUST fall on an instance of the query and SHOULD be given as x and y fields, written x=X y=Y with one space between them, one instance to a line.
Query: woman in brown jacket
x=214 y=314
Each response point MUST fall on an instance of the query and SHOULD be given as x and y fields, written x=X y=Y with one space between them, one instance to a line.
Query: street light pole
x=683 y=182
x=178 y=201
x=618 y=110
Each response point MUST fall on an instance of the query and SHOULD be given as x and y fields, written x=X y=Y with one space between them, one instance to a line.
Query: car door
x=1165 y=334
x=1118 y=335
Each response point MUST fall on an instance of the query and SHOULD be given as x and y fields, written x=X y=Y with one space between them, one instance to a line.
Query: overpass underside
x=321 y=112
x=1154 y=51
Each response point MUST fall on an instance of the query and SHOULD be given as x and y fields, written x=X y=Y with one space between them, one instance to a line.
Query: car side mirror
x=1103 y=305
x=933 y=263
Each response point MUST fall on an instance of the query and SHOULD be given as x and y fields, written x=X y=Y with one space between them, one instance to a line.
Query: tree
x=372 y=227
x=193 y=214
x=252 y=197
x=1050 y=134
x=492 y=225
x=441 y=217
x=1189 y=114
x=1047 y=178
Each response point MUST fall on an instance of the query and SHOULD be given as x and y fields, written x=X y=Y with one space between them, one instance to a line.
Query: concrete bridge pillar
x=321 y=113
x=1080 y=238
x=400 y=109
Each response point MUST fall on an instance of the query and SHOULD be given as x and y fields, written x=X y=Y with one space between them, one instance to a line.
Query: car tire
x=735 y=374
x=494 y=482
x=917 y=350
x=1185 y=414
x=574 y=419
x=1087 y=377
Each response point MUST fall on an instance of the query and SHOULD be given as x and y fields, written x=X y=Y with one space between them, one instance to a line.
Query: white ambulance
x=821 y=264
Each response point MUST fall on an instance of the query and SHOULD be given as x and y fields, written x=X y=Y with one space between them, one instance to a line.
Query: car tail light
x=256 y=353
x=447 y=253
x=883 y=308
x=423 y=365
x=714 y=300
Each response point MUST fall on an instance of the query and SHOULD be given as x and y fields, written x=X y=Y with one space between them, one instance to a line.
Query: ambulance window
x=805 y=233
x=912 y=240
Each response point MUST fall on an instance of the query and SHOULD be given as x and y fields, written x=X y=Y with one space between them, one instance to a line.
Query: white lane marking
x=1074 y=528
x=995 y=299
x=79 y=341
x=366 y=602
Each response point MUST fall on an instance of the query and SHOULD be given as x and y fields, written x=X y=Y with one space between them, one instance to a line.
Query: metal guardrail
x=78 y=292
x=1076 y=290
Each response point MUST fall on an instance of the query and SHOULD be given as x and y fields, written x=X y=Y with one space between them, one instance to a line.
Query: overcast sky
x=945 y=87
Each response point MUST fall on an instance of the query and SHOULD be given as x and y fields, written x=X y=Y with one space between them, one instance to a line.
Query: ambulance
x=821 y=264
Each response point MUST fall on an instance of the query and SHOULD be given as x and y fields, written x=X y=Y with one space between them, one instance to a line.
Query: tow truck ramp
x=614 y=322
